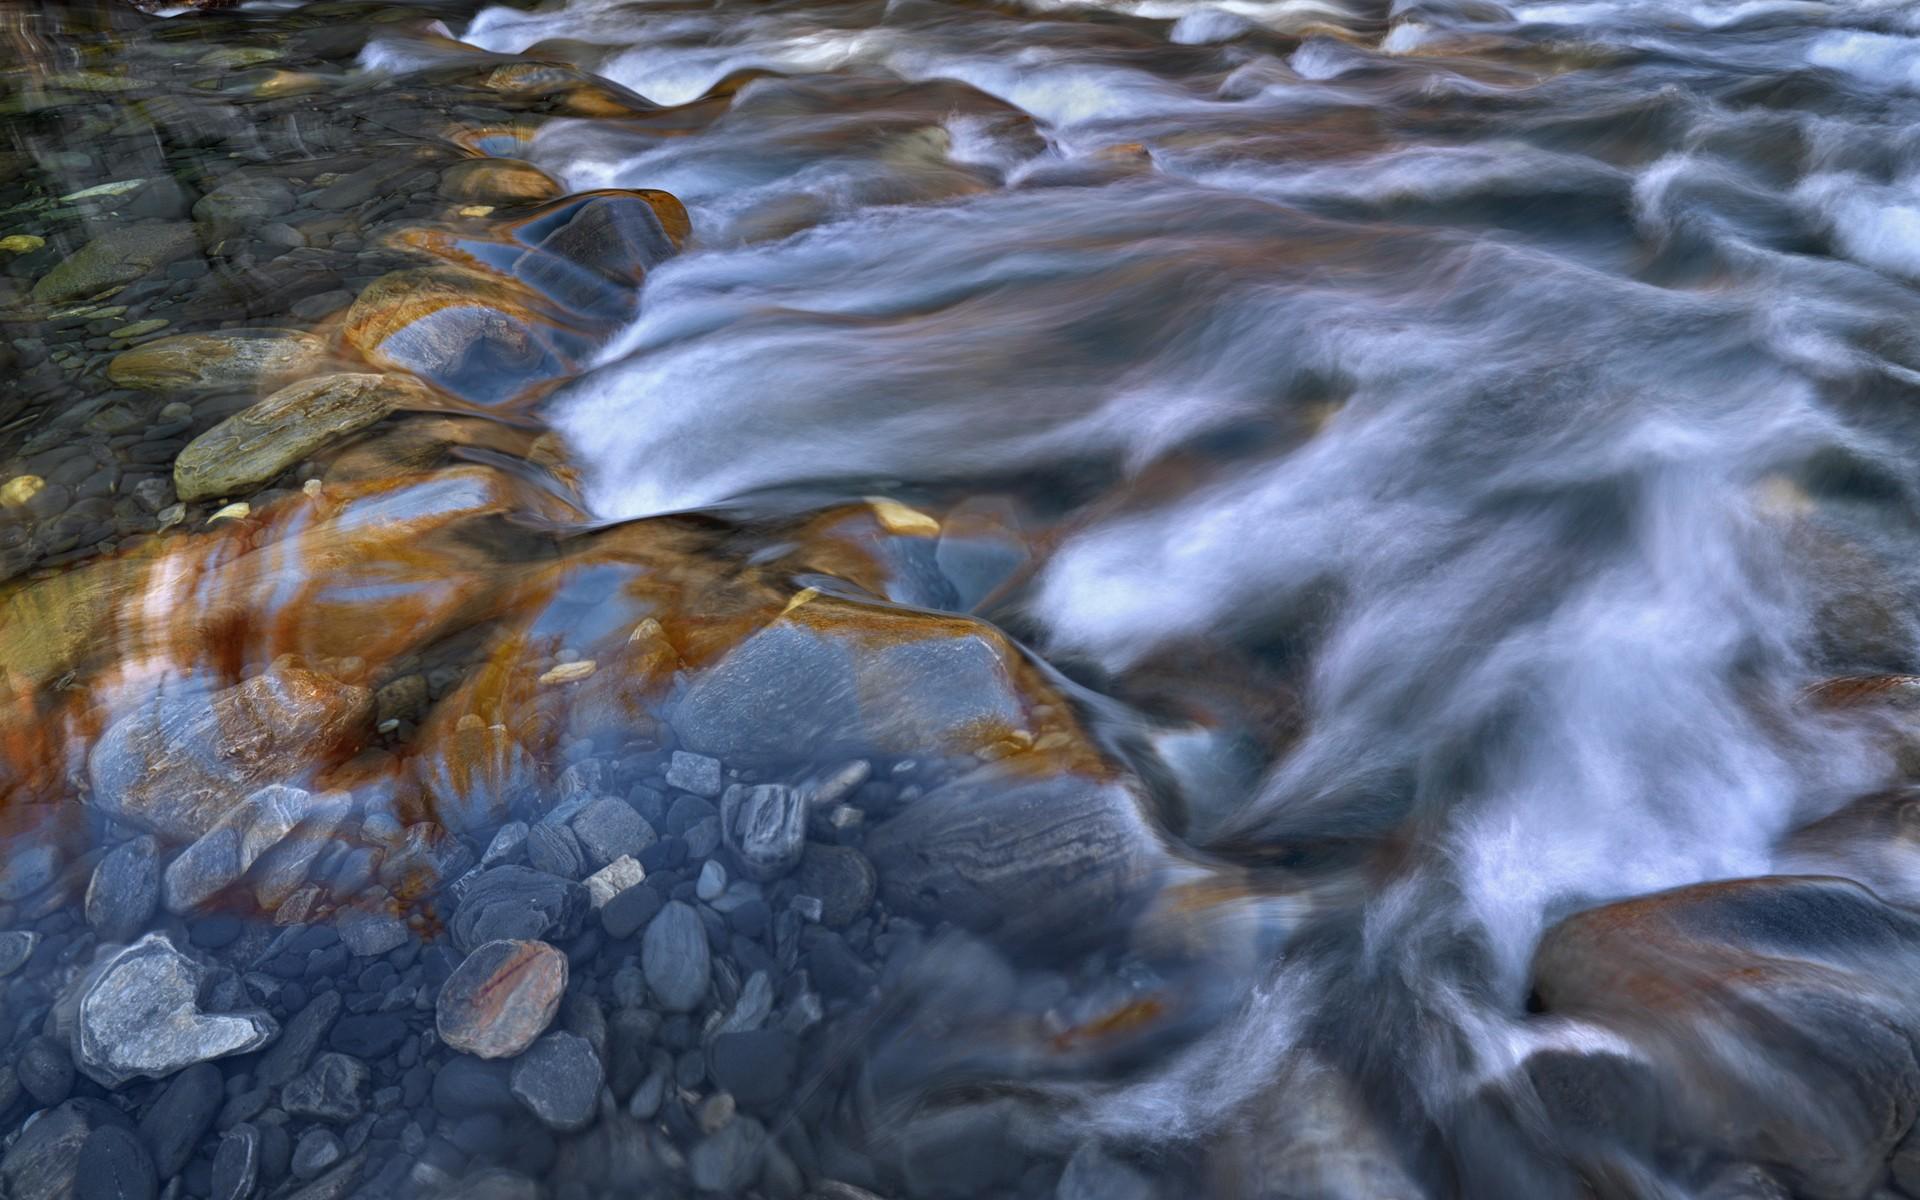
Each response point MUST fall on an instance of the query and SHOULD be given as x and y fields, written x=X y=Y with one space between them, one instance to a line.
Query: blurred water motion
x=928 y=599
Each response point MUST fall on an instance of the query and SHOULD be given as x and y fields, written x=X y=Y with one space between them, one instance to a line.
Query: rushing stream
x=913 y=599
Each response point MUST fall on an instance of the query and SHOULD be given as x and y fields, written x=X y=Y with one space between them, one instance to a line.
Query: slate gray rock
x=553 y=849
x=765 y=827
x=114 y=1166
x=626 y=914
x=517 y=903
x=125 y=890
x=217 y=859
x=333 y=1089
x=756 y=1066
x=676 y=959
x=16 y=947
x=696 y=773
x=304 y=1033
x=609 y=828
x=178 y=763
x=183 y=1113
x=841 y=878
x=371 y=1036
x=43 y=1162
x=115 y=258
x=140 y=1017
x=558 y=1079
x=317 y=1150
x=371 y=934
x=236 y=1164
x=45 y=1071
x=728 y=1161
x=26 y=868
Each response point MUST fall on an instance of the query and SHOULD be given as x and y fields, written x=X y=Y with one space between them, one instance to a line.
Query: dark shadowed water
x=1111 y=601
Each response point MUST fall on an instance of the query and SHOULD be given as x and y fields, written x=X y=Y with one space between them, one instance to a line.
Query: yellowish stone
x=896 y=517
x=571 y=672
x=476 y=210
x=20 y=489
x=232 y=512
x=21 y=243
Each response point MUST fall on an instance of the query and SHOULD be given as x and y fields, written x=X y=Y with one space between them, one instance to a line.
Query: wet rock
x=372 y=1036
x=477 y=776
x=333 y=1089
x=609 y=829
x=694 y=773
x=765 y=827
x=464 y=332
x=467 y=1087
x=16 y=947
x=620 y=234
x=558 y=1079
x=498 y=181
x=125 y=890
x=140 y=1016
x=304 y=1033
x=236 y=1165
x=728 y=1161
x=1025 y=859
x=177 y=764
x=508 y=842
x=26 y=870
x=317 y=1150
x=516 y=903
x=614 y=878
x=627 y=913
x=554 y=850
x=116 y=257
x=676 y=959
x=335 y=1184
x=218 y=858
x=1093 y=1174
x=841 y=878
x=501 y=998
x=235 y=359
x=45 y=1071
x=182 y=1115
x=252 y=447
x=757 y=1066
x=43 y=1162
x=829 y=676
x=371 y=934
x=243 y=202
x=114 y=1166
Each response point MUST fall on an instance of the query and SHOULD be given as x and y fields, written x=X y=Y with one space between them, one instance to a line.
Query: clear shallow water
x=1423 y=460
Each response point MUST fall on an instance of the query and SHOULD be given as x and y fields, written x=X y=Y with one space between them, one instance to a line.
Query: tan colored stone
x=20 y=489
x=498 y=181
x=250 y=448
x=236 y=359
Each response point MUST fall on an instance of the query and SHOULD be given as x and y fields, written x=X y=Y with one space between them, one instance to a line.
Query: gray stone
x=1093 y=1174
x=505 y=844
x=502 y=997
x=125 y=890
x=252 y=447
x=16 y=947
x=554 y=850
x=282 y=869
x=178 y=763
x=755 y=1065
x=114 y=1166
x=26 y=869
x=140 y=1017
x=116 y=258
x=518 y=903
x=609 y=829
x=843 y=880
x=217 y=859
x=236 y=1164
x=765 y=827
x=315 y=1152
x=232 y=360
x=676 y=959
x=333 y=1089
x=305 y=1030
x=694 y=773
x=241 y=203
x=45 y=1071
x=711 y=882
x=728 y=1161
x=369 y=934
x=183 y=1113
x=43 y=1162
x=558 y=1079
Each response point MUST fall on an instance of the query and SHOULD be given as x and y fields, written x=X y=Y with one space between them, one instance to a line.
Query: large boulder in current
x=1026 y=858
x=470 y=334
x=829 y=677
x=178 y=763
x=1778 y=1018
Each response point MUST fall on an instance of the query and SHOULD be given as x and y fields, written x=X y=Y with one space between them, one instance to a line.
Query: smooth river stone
x=240 y=358
x=125 y=890
x=254 y=446
x=219 y=857
x=558 y=1081
x=501 y=998
x=141 y=1017
x=675 y=958
x=117 y=257
x=765 y=827
x=462 y=331
x=498 y=181
x=178 y=763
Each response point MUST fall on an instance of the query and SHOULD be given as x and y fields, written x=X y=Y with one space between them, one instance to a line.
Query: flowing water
x=1352 y=505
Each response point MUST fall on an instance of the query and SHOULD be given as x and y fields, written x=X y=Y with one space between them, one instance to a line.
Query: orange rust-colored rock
x=498 y=181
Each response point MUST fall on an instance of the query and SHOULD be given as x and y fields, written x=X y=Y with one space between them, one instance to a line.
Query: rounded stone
x=559 y=1081
x=114 y=1166
x=676 y=959
x=501 y=998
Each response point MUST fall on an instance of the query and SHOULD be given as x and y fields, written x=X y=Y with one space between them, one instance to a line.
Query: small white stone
x=712 y=881
x=569 y=672
x=616 y=877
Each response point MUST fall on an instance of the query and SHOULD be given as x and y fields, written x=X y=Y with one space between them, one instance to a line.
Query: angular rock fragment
x=502 y=997
x=333 y=1089
x=517 y=903
x=125 y=890
x=610 y=829
x=614 y=878
x=766 y=828
x=16 y=947
x=140 y=1017
x=558 y=1079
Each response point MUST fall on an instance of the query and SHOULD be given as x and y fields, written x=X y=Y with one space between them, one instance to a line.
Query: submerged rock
x=675 y=957
x=502 y=997
x=43 y=1163
x=475 y=776
x=558 y=1080
x=235 y=359
x=515 y=903
x=141 y=1017
x=219 y=857
x=178 y=763
x=765 y=827
x=1027 y=859
x=498 y=181
x=125 y=890
x=464 y=332
x=117 y=257
x=252 y=447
